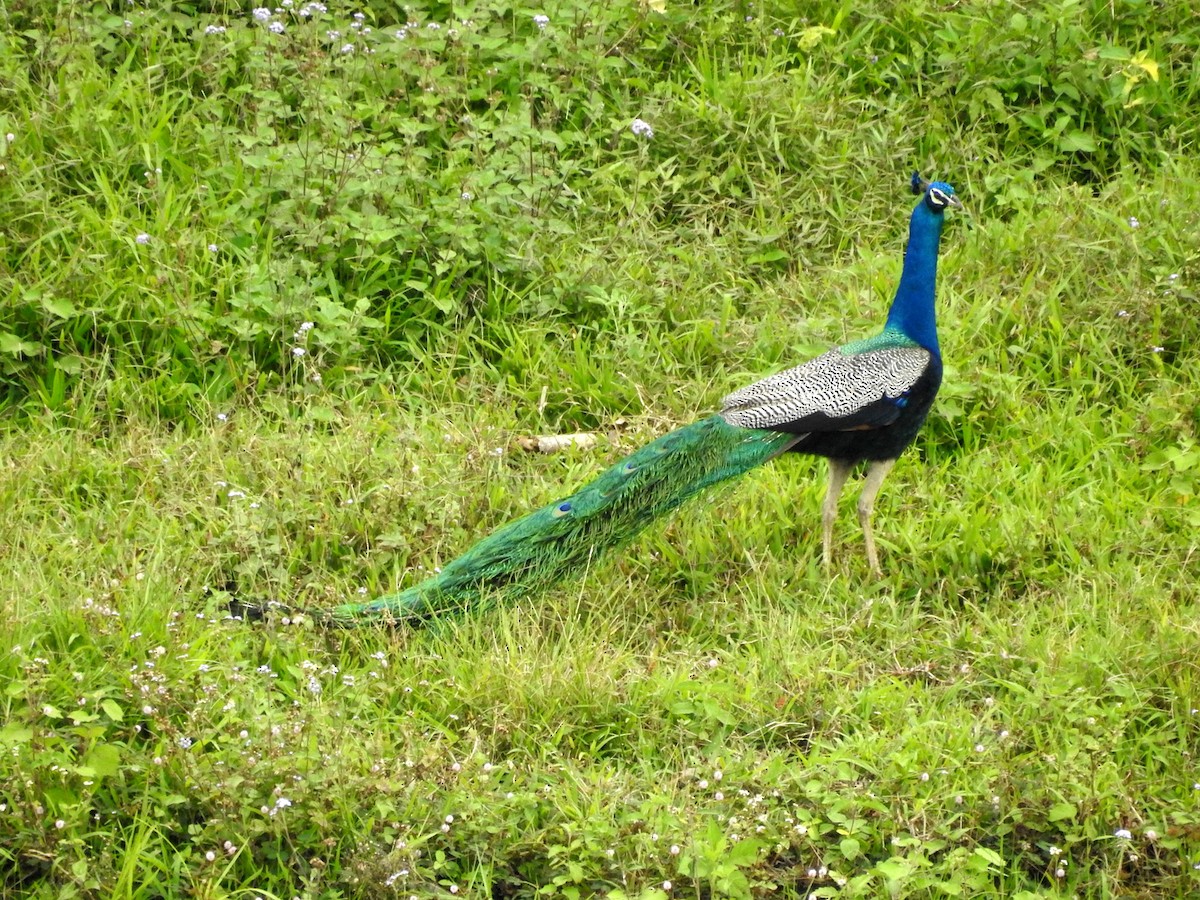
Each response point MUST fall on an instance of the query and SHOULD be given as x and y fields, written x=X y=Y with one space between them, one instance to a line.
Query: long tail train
x=559 y=541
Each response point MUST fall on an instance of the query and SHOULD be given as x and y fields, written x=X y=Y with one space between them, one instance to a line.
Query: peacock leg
x=876 y=472
x=839 y=471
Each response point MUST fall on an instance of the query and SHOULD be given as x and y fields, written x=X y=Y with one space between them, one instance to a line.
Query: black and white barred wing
x=834 y=392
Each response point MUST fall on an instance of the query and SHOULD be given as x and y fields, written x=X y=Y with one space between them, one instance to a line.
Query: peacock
x=859 y=403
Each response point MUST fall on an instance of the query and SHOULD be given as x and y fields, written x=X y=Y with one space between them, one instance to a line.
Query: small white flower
x=641 y=128
x=142 y=238
x=1174 y=276
x=215 y=29
x=346 y=49
x=210 y=856
x=666 y=885
x=1151 y=834
x=433 y=26
x=276 y=28
x=1054 y=851
x=467 y=195
x=1123 y=314
x=235 y=494
x=1060 y=872
x=10 y=137
x=262 y=14
x=541 y=21
x=298 y=352
x=1157 y=349
x=185 y=742
x=674 y=849
x=1123 y=834
x=924 y=776
x=1134 y=223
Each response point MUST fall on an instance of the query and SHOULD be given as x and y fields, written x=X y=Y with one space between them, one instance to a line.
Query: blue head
x=938 y=195
x=912 y=311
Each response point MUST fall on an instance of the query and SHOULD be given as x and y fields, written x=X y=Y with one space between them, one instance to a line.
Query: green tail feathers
x=559 y=541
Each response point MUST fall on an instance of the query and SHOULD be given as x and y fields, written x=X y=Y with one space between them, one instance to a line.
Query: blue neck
x=912 y=311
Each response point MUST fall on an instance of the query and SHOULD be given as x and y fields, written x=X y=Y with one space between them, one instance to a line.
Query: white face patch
x=939 y=197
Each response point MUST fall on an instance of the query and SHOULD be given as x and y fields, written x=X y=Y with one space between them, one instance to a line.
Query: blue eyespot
x=562 y=510
x=629 y=467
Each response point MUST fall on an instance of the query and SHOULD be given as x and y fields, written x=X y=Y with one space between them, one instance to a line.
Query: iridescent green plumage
x=558 y=541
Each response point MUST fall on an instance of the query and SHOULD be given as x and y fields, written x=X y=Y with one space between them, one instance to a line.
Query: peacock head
x=938 y=195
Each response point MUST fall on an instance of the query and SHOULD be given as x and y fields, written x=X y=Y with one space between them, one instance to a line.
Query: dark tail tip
x=258 y=612
x=246 y=611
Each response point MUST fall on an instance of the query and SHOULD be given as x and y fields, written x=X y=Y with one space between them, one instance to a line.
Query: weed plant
x=283 y=287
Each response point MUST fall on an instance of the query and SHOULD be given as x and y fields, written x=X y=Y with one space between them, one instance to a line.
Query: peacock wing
x=837 y=391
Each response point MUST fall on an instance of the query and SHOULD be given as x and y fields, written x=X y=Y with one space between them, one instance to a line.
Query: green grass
x=708 y=708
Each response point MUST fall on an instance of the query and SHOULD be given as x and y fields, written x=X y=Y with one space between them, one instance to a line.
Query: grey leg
x=839 y=471
x=876 y=472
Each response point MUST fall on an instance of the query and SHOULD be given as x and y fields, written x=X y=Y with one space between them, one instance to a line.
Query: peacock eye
x=938 y=197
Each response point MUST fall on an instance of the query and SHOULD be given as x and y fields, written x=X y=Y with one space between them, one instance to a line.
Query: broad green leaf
x=105 y=760
x=1146 y=64
x=15 y=734
x=112 y=709
x=1060 y=811
x=11 y=344
x=1077 y=141
x=59 y=306
x=894 y=869
x=812 y=36
x=990 y=856
x=743 y=853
